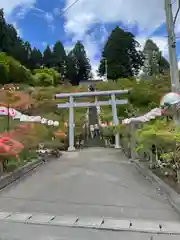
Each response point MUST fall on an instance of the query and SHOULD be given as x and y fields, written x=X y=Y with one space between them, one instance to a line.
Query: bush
x=46 y=77
x=43 y=79
x=12 y=71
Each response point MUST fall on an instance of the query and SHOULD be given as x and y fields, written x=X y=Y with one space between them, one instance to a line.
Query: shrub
x=43 y=79
x=12 y=71
x=46 y=76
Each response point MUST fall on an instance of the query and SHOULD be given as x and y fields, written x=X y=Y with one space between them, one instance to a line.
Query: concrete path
x=92 y=183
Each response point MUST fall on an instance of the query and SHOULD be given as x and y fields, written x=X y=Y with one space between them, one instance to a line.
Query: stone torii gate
x=72 y=104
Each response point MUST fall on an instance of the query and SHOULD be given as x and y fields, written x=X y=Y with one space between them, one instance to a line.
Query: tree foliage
x=59 y=58
x=154 y=62
x=121 y=54
x=78 y=64
x=11 y=71
x=46 y=77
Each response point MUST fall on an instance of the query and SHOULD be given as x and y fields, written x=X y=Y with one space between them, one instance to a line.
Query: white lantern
x=50 y=122
x=43 y=120
x=56 y=123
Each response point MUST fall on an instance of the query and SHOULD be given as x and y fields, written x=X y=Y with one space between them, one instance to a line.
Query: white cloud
x=148 y=15
x=10 y=5
x=49 y=17
x=24 y=7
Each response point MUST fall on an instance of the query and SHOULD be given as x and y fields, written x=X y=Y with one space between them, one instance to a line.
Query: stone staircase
x=94 y=142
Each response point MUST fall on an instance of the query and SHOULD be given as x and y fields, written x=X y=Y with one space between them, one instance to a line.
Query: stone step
x=94 y=142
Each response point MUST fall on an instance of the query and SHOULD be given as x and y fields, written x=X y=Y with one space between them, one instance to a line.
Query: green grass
x=26 y=156
x=4 y=123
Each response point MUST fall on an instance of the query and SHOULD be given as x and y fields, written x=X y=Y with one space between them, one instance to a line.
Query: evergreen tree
x=3 y=32
x=11 y=43
x=35 y=60
x=47 y=57
x=81 y=62
x=154 y=62
x=72 y=69
x=22 y=52
x=123 y=58
x=59 y=58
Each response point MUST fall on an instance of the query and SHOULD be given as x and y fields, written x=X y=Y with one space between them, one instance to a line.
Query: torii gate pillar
x=115 y=119
x=71 y=124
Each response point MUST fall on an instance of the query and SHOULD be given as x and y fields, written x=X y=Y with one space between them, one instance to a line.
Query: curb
x=18 y=173
x=98 y=223
x=172 y=196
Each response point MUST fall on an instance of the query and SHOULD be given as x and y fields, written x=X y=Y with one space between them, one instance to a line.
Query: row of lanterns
x=49 y=122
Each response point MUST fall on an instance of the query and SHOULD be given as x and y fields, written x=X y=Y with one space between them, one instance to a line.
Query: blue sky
x=41 y=22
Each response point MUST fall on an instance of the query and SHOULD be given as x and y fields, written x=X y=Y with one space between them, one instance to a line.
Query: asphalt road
x=95 y=183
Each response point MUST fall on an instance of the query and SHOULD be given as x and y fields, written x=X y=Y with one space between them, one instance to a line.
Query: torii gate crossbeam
x=71 y=104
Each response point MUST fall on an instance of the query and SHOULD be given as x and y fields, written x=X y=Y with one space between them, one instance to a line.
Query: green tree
x=81 y=63
x=154 y=62
x=11 y=43
x=59 y=58
x=123 y=58
x=8 y=36
x=35 y=60
x=2 y=31
x=71 y=68
x=21 y=52
x=48 y=57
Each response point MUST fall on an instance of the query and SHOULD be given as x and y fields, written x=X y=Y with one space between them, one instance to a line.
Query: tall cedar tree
x=59 y=58
x=48 y=57
x=11 y=43
x=71 y=68
x=36 y=59
x=123 y=58
x=81 y=62
x=162 y=65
